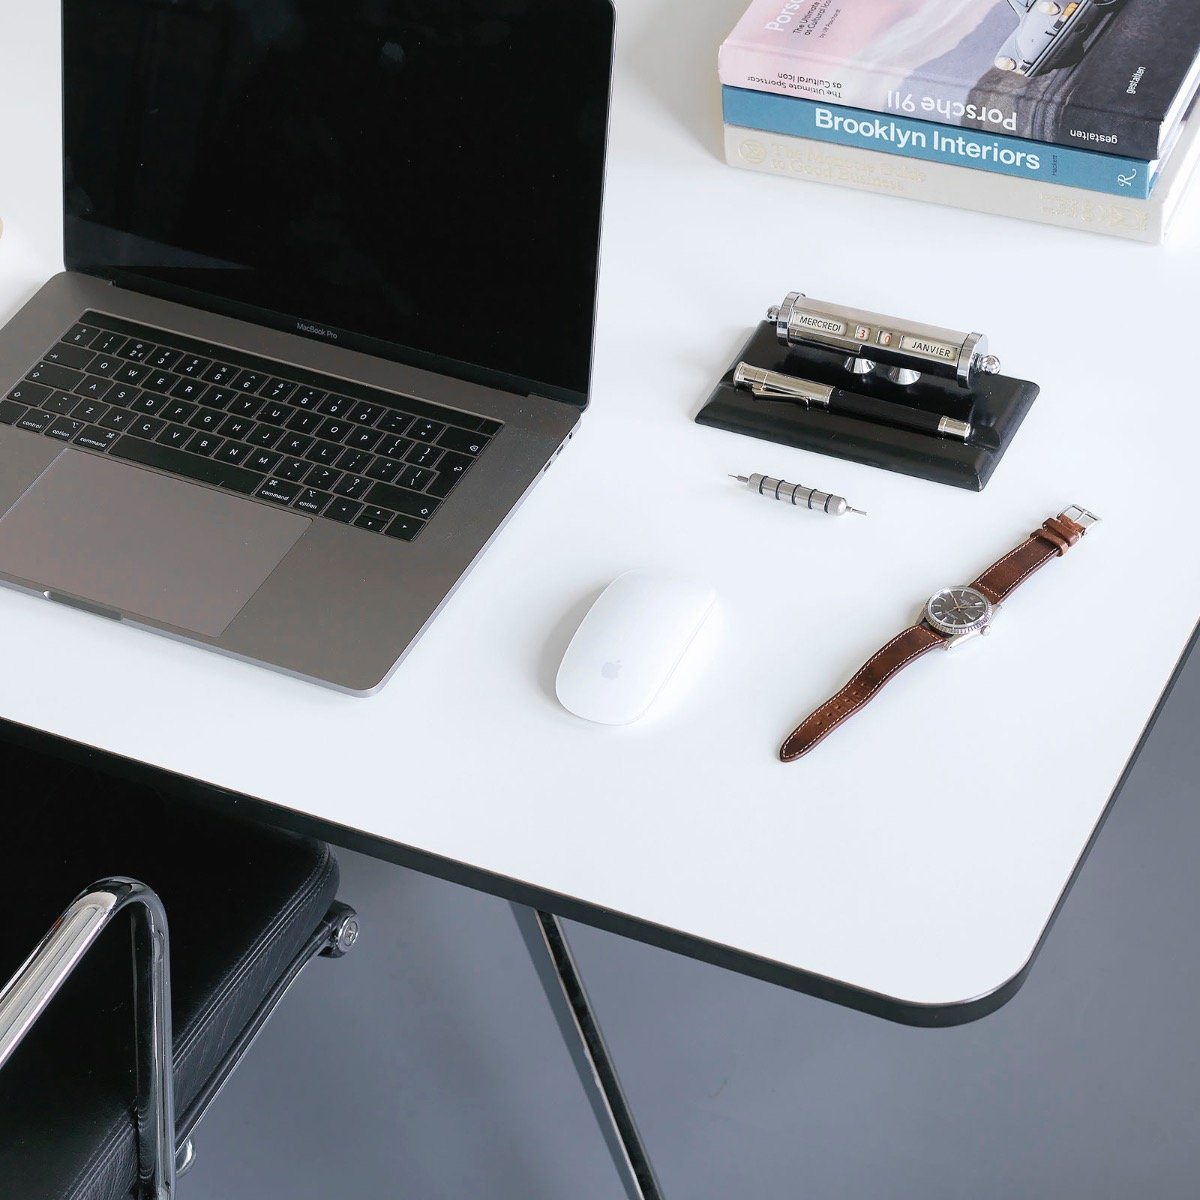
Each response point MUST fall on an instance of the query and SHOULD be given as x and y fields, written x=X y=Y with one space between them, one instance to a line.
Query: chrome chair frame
x=26 y=996
x=165 y=1147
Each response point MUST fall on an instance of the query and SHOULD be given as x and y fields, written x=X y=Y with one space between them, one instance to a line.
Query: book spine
x=937 y=183
x=786 y=73
x=974 y=149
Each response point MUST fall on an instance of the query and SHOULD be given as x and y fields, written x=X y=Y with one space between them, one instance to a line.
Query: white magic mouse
x=630 y=643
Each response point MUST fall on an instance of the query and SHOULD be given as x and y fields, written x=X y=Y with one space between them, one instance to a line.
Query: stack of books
x=1071 y=112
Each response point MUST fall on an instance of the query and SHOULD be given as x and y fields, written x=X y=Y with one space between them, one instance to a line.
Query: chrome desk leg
x=568 y=998
x=25 y=997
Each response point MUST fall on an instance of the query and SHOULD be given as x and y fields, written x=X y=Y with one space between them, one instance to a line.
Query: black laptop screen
x=417 y=178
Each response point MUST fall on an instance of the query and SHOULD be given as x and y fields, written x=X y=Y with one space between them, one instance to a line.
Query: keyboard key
x=323 y=479
x=462 y=442
x=179 y=462
x=61 y=403
x=193 y=367
x=376 y=513
x=122 y=395
x=51 y=375
x=295 y=444
x=324 y=453
x=342 y=510
x=160 y=381
x=190 y=389
x=177 y=410
x=307 y=398
x=354 y=461
x=375 y=524
x=11 y=412
x=335 y=431
x=240 y=406
x=222 y=397
x=93 y=387
x=35 y=420
x=426 y=431
x=90 y=411
x=423 y=455
x=293 y=469
x=304 y=422
x=275 y=414
x=175 y=435
x=384 y=470
x=401 y=501
x=207 y=419
x=312 y=501
x=248 y=382
x=395 y=447
x=489 y=429
x=150 y=403
x=365 y=414
x=405 y=528
x=277 y=389
x=81 y=335
x=204 y=443
x=336 y=406
x=64 y=429
x=66 y=355
x=415 y=478
x=450 y=471
x=235 y=452
x=394 y=422
x=353 y=487
x=279 y=491
x=163 y=359
x=262 y=460
x=29 y=393
x=93 y=437
x=108 y=343
x=220 y=373
x=117 y=418
x=363 y=439
x=133 y=373
x=265 y=435
x=105 y=365
x=136 y=350
x=236 y=427
x=146 y=427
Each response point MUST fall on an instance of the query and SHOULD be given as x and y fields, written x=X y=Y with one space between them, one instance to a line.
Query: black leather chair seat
x=241 y=902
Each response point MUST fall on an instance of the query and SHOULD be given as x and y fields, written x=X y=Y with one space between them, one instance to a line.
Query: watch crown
x=985 y=631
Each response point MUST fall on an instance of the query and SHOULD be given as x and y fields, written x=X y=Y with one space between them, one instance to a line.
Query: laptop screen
x=420 y=179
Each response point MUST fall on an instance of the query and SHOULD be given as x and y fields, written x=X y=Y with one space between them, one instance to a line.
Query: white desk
x=914 y=860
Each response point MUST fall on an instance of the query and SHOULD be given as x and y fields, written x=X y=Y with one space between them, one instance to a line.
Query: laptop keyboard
x=327 y=448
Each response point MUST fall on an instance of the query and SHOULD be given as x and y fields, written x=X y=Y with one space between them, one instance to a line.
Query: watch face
x=958 y=610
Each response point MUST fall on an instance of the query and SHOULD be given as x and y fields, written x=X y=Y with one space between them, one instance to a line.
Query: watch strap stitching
x=797 y=745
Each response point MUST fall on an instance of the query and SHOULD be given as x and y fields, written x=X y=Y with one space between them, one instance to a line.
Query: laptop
x=327 y=314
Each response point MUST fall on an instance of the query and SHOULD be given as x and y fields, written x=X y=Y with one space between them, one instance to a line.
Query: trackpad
x=144 y=544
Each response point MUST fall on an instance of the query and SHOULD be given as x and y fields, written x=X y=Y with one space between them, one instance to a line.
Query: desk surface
x=912 y=863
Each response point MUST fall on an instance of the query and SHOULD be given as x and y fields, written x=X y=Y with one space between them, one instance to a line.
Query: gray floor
x=427 y=1064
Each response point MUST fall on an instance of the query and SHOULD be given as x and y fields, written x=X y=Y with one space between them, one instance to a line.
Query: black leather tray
x=996 y=407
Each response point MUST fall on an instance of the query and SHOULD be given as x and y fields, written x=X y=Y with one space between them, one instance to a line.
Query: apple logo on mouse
x=611 y=670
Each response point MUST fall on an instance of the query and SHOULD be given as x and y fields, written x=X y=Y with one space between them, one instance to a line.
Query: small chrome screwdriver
x=797 y=494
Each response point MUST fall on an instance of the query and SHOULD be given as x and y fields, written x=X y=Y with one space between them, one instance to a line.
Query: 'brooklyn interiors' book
x=1115 y=76
x=998 y=153
x=962 y=187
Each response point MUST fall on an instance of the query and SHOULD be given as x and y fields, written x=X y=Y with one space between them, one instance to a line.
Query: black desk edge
x=926 y=1016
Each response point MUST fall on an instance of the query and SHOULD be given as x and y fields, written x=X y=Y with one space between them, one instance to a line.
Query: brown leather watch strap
x=1053 y=540
x=898 y=653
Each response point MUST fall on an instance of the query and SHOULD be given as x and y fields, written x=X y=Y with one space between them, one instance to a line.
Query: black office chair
x=106 y=1071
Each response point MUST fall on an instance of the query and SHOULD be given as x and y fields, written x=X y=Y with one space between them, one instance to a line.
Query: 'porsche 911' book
x=1108 y=75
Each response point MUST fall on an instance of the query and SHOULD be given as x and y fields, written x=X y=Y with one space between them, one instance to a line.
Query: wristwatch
x=950 y=617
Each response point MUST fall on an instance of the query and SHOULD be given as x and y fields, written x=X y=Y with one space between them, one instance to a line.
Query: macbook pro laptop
x=327 y=314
